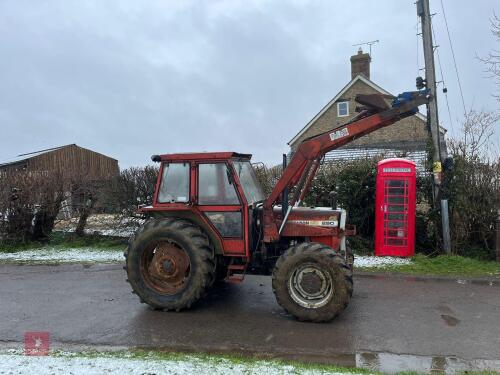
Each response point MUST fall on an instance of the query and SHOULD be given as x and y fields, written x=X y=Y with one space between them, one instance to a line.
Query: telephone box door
x=395 y=208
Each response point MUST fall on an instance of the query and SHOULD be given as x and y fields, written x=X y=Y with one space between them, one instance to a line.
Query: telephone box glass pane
x=396 y=212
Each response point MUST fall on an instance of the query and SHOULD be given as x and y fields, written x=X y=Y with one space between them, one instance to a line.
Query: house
x=69 y=159
x=407 y=138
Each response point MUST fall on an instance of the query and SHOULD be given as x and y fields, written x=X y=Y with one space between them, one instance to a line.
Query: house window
x=342 y=109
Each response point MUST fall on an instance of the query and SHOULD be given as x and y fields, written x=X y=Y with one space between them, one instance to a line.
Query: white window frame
x=338 y=108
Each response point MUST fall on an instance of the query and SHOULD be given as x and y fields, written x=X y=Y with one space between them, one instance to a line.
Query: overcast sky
x=132 y=78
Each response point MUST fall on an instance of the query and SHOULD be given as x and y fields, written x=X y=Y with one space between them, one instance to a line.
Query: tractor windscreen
x=248 y=179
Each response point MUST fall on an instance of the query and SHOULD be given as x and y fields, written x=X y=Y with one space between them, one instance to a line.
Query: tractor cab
x=219 y=191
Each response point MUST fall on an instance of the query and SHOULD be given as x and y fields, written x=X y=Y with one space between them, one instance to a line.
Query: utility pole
x=497 y=242
x=423 y=11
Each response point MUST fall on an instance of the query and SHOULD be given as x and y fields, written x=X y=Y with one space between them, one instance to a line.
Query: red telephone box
x=395 y=208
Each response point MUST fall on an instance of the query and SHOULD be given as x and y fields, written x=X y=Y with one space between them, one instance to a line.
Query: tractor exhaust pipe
x=285 y=205
x=284 y=197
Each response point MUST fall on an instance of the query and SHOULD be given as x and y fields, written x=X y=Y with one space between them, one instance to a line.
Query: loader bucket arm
x=304 y=163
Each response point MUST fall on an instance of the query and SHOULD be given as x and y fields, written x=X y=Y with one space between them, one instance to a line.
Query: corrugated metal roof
x=419 y=157
x=22 y=157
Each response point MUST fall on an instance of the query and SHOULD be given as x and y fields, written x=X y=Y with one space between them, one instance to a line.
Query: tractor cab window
x=248 y=179
x=215 y=186
x=174 y=183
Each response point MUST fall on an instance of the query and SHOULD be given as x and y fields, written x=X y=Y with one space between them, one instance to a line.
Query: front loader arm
x=305 y=161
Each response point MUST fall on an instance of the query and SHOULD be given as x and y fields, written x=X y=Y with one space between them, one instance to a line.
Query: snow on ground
x=96 y=255
x=364 y=261
x=75 y=255
x=119 y=232
x=122 y=232
x=67 y=363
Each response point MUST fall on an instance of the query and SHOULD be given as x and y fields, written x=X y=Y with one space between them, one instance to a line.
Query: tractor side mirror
x=229 y=176
x=333 y=199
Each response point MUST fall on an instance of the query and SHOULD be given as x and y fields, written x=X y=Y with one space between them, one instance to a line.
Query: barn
x=79 y=167
x=70 y=159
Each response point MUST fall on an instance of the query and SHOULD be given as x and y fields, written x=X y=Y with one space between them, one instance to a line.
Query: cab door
x=221 y=204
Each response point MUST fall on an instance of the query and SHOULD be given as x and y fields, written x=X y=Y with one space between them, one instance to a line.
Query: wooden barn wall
x=77 y=160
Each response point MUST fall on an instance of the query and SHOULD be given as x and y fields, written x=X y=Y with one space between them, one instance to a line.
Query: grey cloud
x=130 y=78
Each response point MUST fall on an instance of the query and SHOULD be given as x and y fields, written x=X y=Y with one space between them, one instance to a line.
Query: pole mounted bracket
x=420 y=8
x=420 y=83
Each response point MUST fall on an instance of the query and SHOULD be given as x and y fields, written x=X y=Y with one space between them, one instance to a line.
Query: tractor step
x=237 y=267
x=235 y=273
x=235 y=278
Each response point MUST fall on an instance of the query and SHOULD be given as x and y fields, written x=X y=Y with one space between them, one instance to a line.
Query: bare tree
x=474 y=184
x=476 y=138
x=49 y=195
x=86 y=194
x=29 y=204
x=135 y=186
x=492 y=61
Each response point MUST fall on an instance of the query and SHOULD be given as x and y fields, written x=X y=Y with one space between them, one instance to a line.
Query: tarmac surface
x=392 y=323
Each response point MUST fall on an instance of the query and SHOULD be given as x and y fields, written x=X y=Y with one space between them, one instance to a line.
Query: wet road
x=388 y=317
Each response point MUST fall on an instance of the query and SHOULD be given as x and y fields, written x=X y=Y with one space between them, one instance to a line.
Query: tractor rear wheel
x=170 y=263
x=312 y=282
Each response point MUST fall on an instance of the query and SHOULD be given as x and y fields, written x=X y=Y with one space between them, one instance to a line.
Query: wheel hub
x=168 y=266
x=310 y=286
x=167 y=269
x=311 y=283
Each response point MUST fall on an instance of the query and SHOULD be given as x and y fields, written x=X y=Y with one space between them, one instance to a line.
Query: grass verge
x=443 y=265
x=63 y=241
x=203 y=363
x=226 y=361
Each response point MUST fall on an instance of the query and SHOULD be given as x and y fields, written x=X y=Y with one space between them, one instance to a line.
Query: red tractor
x=210 y=220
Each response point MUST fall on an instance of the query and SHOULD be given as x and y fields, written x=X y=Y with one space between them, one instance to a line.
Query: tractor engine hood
x=313 y=222
x=311 y=216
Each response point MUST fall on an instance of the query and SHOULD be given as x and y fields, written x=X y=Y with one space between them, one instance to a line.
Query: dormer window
x=342 y=109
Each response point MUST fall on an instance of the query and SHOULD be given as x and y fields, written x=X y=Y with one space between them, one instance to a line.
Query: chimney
x=360 y=64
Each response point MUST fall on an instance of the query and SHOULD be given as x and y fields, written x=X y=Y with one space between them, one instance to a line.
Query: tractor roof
x=204 y=156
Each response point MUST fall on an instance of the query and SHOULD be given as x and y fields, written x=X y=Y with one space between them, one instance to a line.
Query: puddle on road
x=392 y=363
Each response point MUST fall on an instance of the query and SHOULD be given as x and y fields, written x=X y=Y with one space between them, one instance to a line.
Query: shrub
x=29 y=205
x=133 y=187
x=354 y=182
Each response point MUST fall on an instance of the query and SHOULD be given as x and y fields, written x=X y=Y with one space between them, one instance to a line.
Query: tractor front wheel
x=170 y=263
x=312 y=282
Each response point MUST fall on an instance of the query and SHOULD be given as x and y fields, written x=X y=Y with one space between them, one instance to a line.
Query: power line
x=454 y=59
x=445 y=89
x=418 y=50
